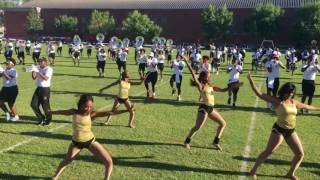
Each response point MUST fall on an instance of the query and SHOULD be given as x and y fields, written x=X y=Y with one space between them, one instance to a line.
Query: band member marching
x=59 y=49
x=152 y=74
x=28 y=47
x=51 y=53
x=21 y=52
x=177 y=66
x=89 y=49
x=36 y=50
x=41 y=96
x=76 y=54
x=142 y=62
x=8 y=50
x=101 y=61
x=234 y=71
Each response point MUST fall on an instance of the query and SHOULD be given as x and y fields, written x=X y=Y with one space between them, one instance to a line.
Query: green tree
x=65 y=25
x=265 y=20
x=34 y=22
x=308 y=23
x=137 y=24
x=101 y=22
x=216 y=22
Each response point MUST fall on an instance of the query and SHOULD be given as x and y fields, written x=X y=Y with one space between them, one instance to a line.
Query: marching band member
x=76 y=54
x=9 y=91
x=59 y=49
x=83 y=136
x=272 y=67
x=161 y=58
x=234 y=71
x=70 y=51
x=89 y=50
x=16 y=47
x=196 y=59
x=36 y=50
x=152 y=74
x=168 y=52
x=256 y=59
x=138 y=47
x=123 y=97
x=305 y=56
x=8 y=50
x=41 y=96
x=122 y=60
x=205 y=66
x=217 y=54
x=177 y=66
x=101 y=61
x=81 y=49
x=284 y=128
x=52 y=53
x=28 y=47
x=308 y=83
x=206 y=109
x=21 y=53
x=142 y=62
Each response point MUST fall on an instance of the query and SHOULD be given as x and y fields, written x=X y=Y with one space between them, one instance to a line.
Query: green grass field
x=153 y=150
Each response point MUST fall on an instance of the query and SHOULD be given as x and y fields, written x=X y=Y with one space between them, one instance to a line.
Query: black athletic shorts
x=308 y=87
x=82 y=145
x=279 y=130
x=205 y=109
x=9 y=94
x=142 y=67
x=52 y=55
x=121 y=101
x=76 y=54
x=161 y=66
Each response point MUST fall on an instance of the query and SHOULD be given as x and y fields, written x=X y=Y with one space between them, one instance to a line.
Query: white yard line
x=247 y=149
x=59 y=127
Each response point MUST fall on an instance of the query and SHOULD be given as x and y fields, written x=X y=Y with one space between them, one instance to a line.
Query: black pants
x=122 y=64
x=35 y=57
x=101 y=65
x=153 y=78
x=8 y=54
x=41 y=96
x=59 y=50
x=275 y=88
x=178 y=85
x=89 y=51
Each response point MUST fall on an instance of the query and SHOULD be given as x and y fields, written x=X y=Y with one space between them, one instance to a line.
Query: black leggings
x=178 y=85
x=234 y=91
x=101 y=65
x=41 y=97
x=151 y=77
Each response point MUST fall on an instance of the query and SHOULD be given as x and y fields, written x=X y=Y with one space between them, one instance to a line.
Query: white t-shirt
x=76 y=48
x=310 y=72
x=59 y=44
x=13 y=74
x=161 y=58
x=9 y=46
x=274 y=65
x=198 y=57
x=22 y=49
x=101 y=56
x=37 y=48
x=123 y=56
x=47 y=71
x=152 y=64
x=218 y=54
x=205 y=67
x=177 y=67
x=234 y=73
x=51 y=49
x=142 y=59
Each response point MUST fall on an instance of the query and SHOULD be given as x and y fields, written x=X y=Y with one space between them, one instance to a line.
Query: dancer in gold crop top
x=284 y=128
x=83 y=136
x=123 y=97
x=206 y=106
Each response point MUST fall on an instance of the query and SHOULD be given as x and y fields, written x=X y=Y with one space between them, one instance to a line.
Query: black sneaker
x=229 y=100
x=173 y=91
x=39 y=123
x=234 y=105
x=46 y=124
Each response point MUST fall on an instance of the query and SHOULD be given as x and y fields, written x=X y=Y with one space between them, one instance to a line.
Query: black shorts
x=82 y=145
x=308 y=87
x=121 y=101
x=169 y=57
x=122 y=64
x=205 y=109
x=36 y=55
x=52 y=55
x=76 y=54
x=279 y=130
x=89 y=51
x=142 y=67
x=9 y=94
x=161 y=66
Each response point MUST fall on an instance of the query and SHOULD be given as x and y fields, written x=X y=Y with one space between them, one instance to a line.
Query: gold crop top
x=81 y=128
x=286 y=115
x=124 y=90
x=206 y=95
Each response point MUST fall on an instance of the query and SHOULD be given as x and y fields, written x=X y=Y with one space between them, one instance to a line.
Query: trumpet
x=139 y=41
x=32 y=68
x=100 y=37
x=126 y=43
x=76 y=40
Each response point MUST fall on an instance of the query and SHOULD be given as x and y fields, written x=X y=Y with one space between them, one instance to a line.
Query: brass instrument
x=139 y=41
x=100 y=38
x=76 y=40
x=126 y=43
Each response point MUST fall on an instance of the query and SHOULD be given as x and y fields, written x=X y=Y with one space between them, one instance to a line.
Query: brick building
x=180 y=19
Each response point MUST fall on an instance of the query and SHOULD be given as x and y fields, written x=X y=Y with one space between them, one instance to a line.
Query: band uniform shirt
x=152 y=65
x=234 y=73
x=37 y=48
x=123 y=56
x=143 y=59
x=310 y=72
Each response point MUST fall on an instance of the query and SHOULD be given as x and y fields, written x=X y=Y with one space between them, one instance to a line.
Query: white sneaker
x=7 y=116
x=15 y=118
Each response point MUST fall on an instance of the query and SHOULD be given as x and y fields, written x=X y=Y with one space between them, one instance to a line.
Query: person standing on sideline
x=286 y=108
x=83 y=136
x=9 y=91
x=41 y=96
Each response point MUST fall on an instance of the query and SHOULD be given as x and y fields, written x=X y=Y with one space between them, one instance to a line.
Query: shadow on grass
x=32 y=120
x=20 y=177
x=279 y=162
x=144 y=162
x=84 y=76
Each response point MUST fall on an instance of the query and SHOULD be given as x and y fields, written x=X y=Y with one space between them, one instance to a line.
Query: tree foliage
x=101 y=22
x=137 y=24
x=308 y=23
x=216 y=22
x=34 y=23
x=65 y=25
x=265 y=21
